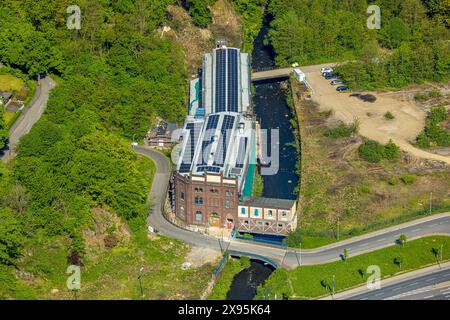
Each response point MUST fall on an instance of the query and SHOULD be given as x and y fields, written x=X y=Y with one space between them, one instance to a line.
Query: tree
x=198 y=9
x=11 y=238
x=402 y=239
x=395 y=33
x=3 y=130
x=391 y=151
x=345 y=255
x=398 y=261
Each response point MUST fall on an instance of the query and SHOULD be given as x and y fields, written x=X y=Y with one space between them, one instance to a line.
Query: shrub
x=438 y=114
x=245 y=262
x=342 y=131
x=391 y=151
x=408 y=178
x=389 y=116
x=371 y=151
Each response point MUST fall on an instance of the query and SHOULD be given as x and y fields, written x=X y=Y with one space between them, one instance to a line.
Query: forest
x=114 y=76
x=410 y=47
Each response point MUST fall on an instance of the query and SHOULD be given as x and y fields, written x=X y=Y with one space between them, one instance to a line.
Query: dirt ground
x=336 y=182
x=409 y=119
x=198 y=257
x=195 y=41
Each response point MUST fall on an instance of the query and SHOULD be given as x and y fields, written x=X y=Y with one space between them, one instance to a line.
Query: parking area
x=403 y=129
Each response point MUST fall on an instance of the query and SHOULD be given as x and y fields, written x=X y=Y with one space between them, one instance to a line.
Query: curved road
x=289 y=258
x=29 y=117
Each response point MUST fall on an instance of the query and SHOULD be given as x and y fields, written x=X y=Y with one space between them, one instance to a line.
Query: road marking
x=412 y=284
x=381 y=240
x=378 y=294
x=428 y=297
x=431 y=279
x=445 y=292
x=418 y=229
x=395 y=289
x=363 y=244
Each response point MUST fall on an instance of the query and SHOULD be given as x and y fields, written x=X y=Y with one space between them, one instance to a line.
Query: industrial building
x=216 y=161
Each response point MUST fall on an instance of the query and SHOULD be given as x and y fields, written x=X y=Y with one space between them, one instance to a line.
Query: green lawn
x=9 y=82
x=306 y=282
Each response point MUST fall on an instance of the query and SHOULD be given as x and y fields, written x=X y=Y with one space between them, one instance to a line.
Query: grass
x=8 y=116
x=307 y=282
x=223 y=284
x=9 y=82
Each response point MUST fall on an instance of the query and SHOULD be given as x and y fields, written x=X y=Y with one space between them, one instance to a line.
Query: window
x=267 y=224
x=280 y=225
x=270 y=213
x=198 y=189
x=182 y=195
x=246 y=222
x=198 y=200
x=215 y=191
x=283 y=214
x=198 y=216
x=243 y=213
x=229 y=193
x=227 y=204
x=256 y=212
x=260 y=223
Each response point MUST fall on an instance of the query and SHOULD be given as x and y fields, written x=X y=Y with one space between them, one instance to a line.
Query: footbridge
x=271 y=73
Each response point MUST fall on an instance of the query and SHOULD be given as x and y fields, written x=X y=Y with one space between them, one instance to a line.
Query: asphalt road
x=28 y=118
x=438 y=224
x=432 y=286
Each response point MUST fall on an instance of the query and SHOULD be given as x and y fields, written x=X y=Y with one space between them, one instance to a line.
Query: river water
x=272 y=111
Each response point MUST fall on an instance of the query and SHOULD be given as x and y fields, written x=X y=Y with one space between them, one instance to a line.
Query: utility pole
x=431 y=197
x=140 y=282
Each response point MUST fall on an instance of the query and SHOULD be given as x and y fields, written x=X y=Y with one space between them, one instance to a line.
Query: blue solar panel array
x=190 y=147
x=208 y=169
x=232 y=80
x=213 y=120
x=241 y=152
x=221 y=152
x=221 y=73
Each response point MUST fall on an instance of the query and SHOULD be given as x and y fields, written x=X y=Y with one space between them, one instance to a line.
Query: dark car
x=330 y=76
x=342 y=88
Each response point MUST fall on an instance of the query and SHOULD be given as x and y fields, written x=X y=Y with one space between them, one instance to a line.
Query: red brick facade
x=209 y=200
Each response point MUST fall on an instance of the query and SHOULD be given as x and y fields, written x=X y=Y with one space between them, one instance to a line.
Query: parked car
x=326 y=70
x=330 y=76
x=342 y=88
x=337 y=81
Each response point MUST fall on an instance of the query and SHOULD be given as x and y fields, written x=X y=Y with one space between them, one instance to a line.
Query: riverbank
x=310 y=282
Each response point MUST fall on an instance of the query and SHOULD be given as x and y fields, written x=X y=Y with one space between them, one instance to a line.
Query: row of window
x=215 y=191
x=256 y=213
x=260 y=223
x=199 y=201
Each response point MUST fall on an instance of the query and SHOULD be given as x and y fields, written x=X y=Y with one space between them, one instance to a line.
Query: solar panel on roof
x=213 y=120
x=241 y=152
x=221 y=69
x=232 y=80
x=208 y=169
x=221 y=152
x=193 y=134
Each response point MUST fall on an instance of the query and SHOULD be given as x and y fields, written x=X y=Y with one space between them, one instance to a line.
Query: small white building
x=299 y=75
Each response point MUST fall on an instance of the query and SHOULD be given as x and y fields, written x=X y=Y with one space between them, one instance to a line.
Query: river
x=272 y=111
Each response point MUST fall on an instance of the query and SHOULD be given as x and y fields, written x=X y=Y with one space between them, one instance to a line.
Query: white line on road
x=431 y=279
x=428 y=297
x=418 y=229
